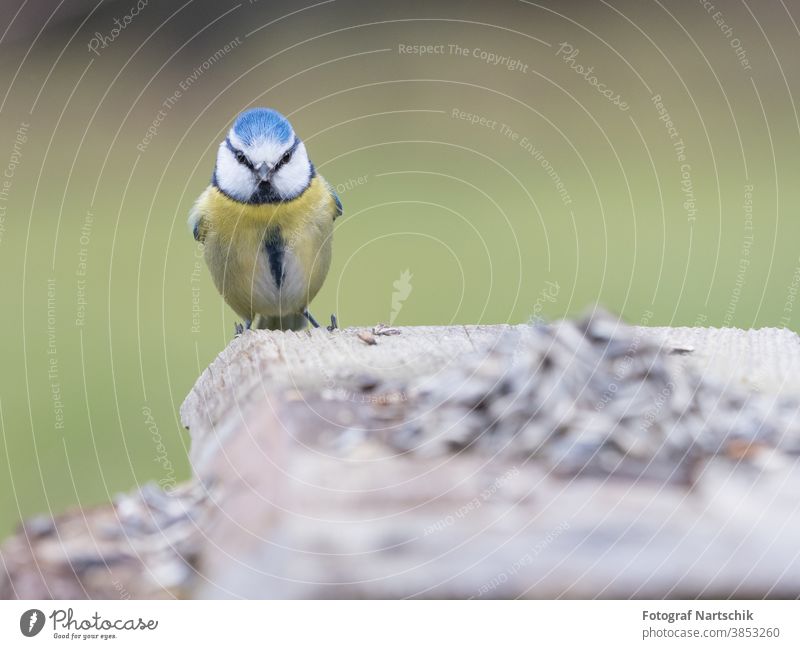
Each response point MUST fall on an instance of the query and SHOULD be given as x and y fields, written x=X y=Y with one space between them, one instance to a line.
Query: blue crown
x=261 y=123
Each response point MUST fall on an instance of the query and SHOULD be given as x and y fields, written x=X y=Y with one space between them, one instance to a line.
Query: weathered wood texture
x=302 y=491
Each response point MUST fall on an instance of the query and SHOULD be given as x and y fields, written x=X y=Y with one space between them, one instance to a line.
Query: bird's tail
x=293 y=322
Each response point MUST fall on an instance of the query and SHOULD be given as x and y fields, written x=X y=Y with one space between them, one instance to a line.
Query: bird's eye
x=286 y=157
x=241 y=157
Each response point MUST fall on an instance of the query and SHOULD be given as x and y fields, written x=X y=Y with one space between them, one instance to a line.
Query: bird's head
x=262 y=160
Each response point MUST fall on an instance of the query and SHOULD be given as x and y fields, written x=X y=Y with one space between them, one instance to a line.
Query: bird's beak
x=264 y=172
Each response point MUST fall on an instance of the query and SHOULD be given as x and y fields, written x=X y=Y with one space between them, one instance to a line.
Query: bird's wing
x=336 y=200
x=197 y=223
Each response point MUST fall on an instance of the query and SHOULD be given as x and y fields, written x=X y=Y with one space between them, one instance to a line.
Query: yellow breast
x=224 y=211
x=244 y=243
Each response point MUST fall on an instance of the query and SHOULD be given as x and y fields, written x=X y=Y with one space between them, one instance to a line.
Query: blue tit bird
x=266 y=223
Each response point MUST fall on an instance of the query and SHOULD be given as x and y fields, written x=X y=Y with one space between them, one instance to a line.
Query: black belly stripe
x=274 y=247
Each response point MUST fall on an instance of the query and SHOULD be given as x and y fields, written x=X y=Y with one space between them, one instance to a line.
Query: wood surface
x=301 y=490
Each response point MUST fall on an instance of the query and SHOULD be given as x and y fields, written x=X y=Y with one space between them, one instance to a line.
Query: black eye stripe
x=239 y=155
x=243 y=159
x=288 y=154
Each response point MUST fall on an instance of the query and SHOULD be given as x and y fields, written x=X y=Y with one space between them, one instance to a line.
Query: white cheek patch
x=239 y=182
x=292 y=177
x=233 y=178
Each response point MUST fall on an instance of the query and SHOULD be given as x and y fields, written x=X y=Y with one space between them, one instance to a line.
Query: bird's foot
x=239 y=328
x=334 y=325
x=311 y=319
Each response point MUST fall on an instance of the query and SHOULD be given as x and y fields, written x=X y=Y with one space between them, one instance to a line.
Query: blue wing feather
x=336 y=200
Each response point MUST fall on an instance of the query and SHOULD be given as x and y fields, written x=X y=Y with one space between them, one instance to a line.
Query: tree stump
x=579 y=459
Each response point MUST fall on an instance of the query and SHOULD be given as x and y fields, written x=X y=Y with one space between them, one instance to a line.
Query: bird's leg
x=239 y=328
x=310 y=318
x=334 y=325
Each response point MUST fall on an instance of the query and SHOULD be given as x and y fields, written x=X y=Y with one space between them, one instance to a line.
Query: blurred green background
x=551 y=198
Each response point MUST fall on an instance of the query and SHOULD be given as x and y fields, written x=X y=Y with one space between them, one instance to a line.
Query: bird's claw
x=239 y=328
x=334 y=325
